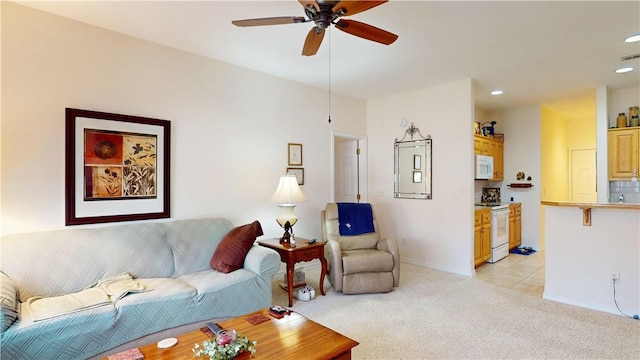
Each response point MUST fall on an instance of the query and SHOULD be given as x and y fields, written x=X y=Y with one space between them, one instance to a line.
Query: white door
x=583 y=176
x=349 y=170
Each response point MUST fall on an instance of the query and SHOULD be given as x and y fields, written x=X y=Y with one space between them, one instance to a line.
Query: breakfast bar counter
x=586 y=208
x=580 y=258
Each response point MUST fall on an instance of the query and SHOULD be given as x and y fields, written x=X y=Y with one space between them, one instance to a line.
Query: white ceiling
x=536 y=51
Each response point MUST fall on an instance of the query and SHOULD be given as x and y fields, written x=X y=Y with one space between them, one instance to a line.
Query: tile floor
x=524 y=273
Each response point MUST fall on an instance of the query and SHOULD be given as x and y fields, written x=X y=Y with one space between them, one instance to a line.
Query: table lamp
x=287 y=194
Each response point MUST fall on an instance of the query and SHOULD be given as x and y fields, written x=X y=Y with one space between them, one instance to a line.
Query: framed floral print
x=117 y=167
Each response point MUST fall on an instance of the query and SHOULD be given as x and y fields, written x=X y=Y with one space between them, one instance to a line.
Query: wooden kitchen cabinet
x=483 y=145
x=497 y=151
x=482 y=236
x=624 y=153
x=515 y=225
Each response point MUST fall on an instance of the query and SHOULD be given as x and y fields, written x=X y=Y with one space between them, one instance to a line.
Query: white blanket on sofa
x=104 y=291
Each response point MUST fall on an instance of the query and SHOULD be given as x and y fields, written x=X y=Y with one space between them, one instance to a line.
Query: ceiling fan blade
x=366 y=31
x=350 y=7
x=306 y=3
x=270 y=21
x=313 y=41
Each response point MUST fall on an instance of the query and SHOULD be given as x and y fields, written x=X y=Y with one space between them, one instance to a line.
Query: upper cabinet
x=480 y=145
x=483 y=145
x=624 y=153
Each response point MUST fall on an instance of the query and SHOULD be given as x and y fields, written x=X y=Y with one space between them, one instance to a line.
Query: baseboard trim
x=569 y=301
x=433 y=266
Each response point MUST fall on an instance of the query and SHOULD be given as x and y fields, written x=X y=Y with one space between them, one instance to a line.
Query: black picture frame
x=86 y=205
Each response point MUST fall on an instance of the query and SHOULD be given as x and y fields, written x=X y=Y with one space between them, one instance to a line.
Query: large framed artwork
x=117 y=167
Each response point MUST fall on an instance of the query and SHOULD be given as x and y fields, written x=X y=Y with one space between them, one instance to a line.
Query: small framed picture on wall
x=298 y=172
x=295 y=154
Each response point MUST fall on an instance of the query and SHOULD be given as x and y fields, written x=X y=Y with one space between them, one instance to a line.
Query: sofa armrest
x=333 y=253
x=8 y=301
x=391 y=246
x=262 y=261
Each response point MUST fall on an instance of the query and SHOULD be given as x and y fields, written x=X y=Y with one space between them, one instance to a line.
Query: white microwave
x=484 y=167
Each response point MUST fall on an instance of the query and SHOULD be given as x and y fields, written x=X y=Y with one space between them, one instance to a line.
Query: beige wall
x=230 y=126
x=522 y=132
x=553 y=150
x=437 y=233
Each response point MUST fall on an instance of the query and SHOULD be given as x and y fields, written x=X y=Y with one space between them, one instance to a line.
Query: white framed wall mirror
x=412 y=175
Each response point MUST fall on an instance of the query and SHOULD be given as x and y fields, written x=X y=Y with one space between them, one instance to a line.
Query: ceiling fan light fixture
x=624 y=70
x=324 y=13
x=497 y=92
x=632 y=38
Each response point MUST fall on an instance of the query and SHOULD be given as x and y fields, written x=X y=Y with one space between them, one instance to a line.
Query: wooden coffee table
x=292 y=337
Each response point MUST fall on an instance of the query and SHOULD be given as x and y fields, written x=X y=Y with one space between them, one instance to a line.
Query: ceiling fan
x=324 y=13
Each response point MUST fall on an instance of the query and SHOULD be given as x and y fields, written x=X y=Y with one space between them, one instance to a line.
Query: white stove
x=499 y=230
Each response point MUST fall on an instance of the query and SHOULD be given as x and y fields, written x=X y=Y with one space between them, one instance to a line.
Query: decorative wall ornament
x=413 y=165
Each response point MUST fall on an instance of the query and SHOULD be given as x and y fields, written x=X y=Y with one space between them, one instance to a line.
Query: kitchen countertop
x=586 y=207
x=609 y=205
x=482 y=207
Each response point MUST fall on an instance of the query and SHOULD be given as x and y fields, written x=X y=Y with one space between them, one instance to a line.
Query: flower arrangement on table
x=225 y=346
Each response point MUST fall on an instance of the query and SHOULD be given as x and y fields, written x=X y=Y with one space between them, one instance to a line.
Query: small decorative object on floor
x=526 y=250
x=225 y=346
x=306 y=293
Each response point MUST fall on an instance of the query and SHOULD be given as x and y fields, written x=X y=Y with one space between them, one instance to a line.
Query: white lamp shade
x=288 y=191
x=287 y=194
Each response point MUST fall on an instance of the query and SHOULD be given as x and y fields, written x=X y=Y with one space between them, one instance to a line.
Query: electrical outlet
x=615 y=277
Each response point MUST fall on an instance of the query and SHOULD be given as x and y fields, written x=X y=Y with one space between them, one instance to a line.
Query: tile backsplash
x=630 y=190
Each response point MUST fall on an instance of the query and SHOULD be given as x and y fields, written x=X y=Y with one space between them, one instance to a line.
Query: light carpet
x=438 y=315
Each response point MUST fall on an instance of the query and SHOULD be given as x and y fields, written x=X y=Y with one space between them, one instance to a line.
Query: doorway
x=349 y=167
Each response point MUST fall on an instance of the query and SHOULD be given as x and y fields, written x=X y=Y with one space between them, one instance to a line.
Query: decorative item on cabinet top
x=487 y=128
x=633 y=116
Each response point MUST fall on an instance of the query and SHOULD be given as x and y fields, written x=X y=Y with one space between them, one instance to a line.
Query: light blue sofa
x=171 y=258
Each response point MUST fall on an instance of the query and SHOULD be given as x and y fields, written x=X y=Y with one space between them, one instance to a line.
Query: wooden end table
x=303 y=251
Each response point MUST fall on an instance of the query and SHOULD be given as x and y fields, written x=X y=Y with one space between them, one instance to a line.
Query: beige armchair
x=360 y=263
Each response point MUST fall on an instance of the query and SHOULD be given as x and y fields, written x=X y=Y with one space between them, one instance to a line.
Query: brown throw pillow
x=230 y=253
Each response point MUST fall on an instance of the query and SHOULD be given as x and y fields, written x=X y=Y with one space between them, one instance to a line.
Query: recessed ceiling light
x=497 y=92
x=624 y=70
x=633 y=38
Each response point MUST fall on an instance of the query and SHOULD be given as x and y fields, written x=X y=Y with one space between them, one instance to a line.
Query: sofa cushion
x=233 y=294
x=8 y=301
x=230 y=254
